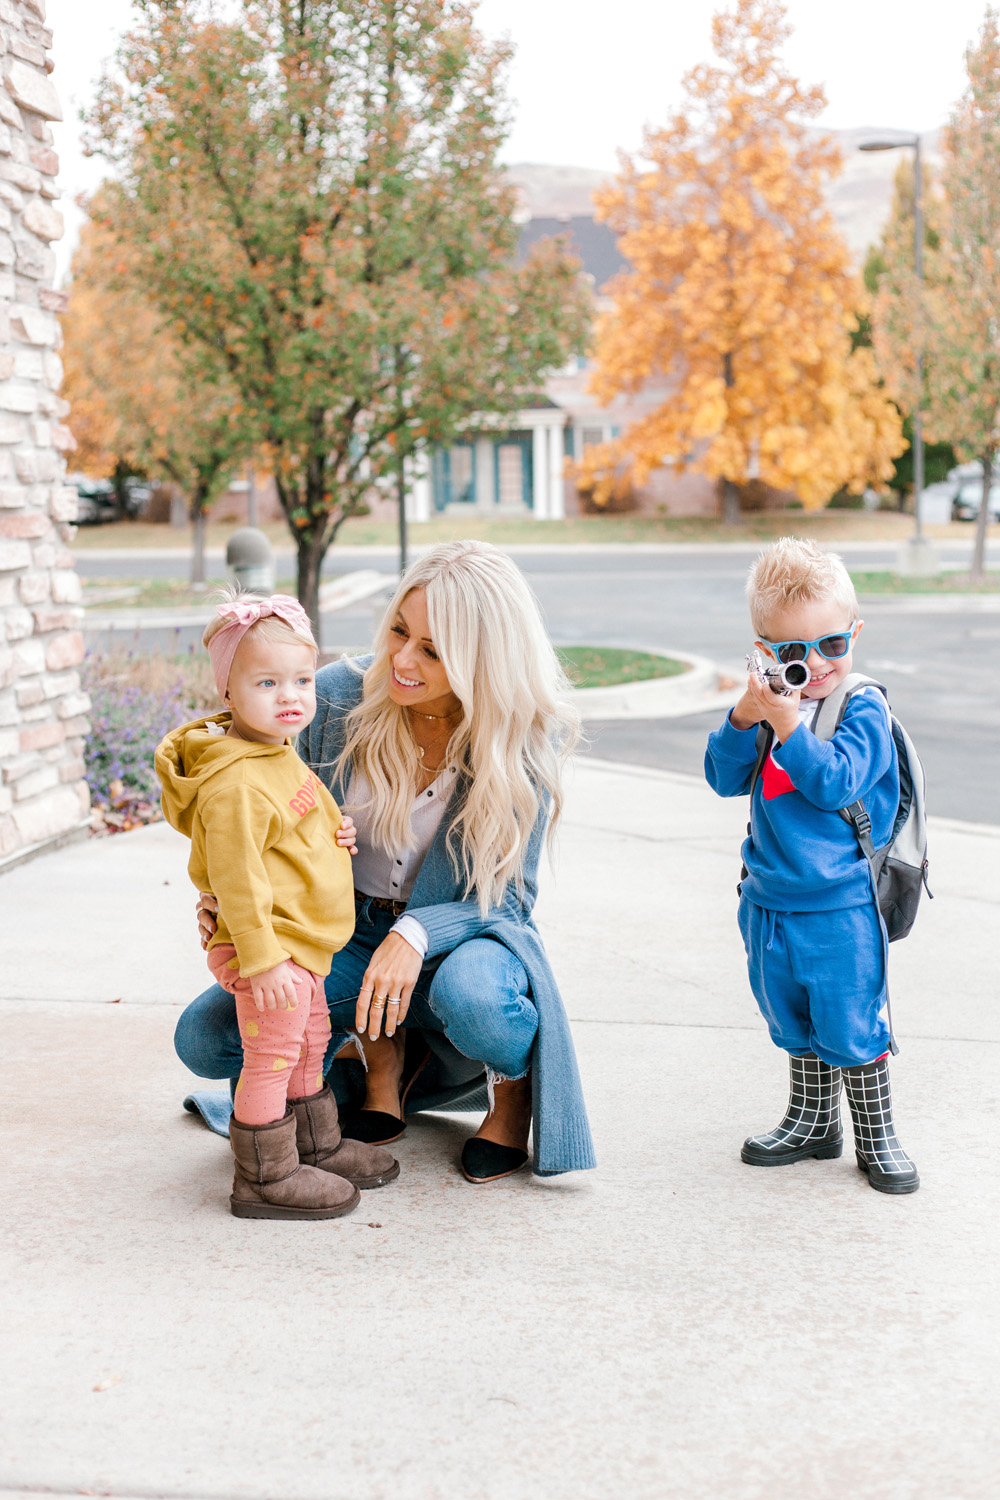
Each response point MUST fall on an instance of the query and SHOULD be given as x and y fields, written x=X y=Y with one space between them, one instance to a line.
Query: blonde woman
x=447 y=746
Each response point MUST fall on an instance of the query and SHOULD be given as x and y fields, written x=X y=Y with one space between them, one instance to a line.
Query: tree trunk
x=731 y=513
x=978 y=569
x=311 y=552
x=198 y=539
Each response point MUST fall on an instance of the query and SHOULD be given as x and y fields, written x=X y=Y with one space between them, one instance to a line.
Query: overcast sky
x=589 y=74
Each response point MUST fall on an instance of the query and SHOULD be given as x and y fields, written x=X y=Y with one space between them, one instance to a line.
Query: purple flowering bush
x=135 y=701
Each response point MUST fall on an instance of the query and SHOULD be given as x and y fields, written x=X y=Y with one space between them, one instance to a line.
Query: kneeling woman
x=447 y=746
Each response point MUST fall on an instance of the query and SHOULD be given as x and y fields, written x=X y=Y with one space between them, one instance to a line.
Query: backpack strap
x=828 y=718
x=765 y=739
x=832 y=708
x=825 y=725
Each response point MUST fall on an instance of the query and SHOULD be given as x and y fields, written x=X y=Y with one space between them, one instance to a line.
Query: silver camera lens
x=795 y=675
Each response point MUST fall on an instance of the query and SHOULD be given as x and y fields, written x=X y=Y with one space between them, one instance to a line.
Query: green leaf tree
x=137 y=393
x=964 y=306
x=889 y=278
x=311 y=197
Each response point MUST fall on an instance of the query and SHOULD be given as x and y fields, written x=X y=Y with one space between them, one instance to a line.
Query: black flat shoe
x=485 y=1161
x=374 y=1126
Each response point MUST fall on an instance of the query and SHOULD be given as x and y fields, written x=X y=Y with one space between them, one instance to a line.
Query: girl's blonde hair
x=517 y=725
x=791 y=571
x=269 y=628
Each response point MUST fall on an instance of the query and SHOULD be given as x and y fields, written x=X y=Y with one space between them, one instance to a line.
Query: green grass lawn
x=828 y=526
x=938 y=583
x=158 y=593
x=603 y=666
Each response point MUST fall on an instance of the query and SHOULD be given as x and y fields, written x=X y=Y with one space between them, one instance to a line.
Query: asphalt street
x=940 y=667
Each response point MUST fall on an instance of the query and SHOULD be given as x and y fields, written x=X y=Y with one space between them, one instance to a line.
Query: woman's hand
x=275 y=988
x=387 y=986
x=206 y=912
x=347 y=834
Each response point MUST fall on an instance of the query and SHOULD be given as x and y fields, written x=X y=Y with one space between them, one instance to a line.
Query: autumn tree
x=136 y=393
x=889 y=276
x=312 y=199
x=959 y=313
x=739 y=291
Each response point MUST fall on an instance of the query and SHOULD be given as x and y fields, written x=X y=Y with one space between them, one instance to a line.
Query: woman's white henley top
x=392 y=875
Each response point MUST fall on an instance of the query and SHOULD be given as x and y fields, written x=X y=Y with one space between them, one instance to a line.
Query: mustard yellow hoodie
x=262 y=828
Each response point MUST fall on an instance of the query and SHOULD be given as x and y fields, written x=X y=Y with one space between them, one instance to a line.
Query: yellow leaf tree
x=740 y=293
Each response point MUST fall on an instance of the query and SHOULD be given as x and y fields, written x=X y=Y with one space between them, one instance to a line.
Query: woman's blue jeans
x=477 y=996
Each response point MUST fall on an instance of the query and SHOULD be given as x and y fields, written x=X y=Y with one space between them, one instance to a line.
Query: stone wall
x=43 y=795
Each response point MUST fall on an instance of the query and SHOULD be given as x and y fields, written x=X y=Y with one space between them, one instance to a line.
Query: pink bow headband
x=241 y=614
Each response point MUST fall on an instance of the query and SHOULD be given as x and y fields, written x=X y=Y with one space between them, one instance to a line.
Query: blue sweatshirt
x=801 y=855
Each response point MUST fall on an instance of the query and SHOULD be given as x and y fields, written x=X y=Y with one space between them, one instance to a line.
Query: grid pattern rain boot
x=811 y=1126
x=321 y=1144
x=879 y=1153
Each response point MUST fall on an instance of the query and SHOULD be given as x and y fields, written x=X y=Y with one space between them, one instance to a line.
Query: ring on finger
x=395 y=1000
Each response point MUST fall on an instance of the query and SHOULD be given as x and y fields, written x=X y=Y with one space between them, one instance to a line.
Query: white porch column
x=540 y=473
x=418 y=489
x=486 y=498
x=557 y=459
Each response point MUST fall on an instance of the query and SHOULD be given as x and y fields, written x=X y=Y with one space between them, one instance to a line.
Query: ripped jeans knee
x=480 y=1000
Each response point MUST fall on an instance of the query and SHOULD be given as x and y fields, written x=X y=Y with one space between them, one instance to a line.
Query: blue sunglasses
x=830 y=647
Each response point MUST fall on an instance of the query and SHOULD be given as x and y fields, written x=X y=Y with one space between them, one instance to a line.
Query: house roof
x=594 y=243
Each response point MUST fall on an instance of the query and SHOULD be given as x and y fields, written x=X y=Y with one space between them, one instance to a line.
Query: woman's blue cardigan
x=562 y=1140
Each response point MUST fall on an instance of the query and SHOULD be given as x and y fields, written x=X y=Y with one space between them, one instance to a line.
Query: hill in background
x=859 y=198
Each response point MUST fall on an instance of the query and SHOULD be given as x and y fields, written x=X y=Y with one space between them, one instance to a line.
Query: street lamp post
x=919 y=555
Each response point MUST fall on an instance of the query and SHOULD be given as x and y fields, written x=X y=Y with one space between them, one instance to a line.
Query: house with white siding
x=519 y=469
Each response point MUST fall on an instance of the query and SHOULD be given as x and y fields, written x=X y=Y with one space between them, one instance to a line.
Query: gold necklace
x=454 y=714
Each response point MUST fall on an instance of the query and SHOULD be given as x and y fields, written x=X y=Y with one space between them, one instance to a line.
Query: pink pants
x=283 y=1050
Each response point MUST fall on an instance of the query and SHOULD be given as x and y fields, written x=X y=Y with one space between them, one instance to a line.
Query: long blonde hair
x=517 y=725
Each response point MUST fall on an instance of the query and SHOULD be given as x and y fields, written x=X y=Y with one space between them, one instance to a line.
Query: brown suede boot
x=270 y=1182
x=321 y=1144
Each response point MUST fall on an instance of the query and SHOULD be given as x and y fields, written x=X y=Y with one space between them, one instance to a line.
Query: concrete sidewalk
x=673 y=1326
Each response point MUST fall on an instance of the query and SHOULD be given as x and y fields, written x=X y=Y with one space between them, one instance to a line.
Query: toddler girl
x=268 y=841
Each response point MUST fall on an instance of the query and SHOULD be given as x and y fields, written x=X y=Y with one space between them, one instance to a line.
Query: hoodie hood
x=190 y=756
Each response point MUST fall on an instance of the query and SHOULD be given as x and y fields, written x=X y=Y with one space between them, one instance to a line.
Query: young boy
x=815 y=942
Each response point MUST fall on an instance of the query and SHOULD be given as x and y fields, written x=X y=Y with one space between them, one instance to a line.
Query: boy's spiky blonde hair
x=793 y=570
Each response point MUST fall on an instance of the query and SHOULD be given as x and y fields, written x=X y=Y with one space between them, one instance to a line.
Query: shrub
x=844 y=500
x=136 y=700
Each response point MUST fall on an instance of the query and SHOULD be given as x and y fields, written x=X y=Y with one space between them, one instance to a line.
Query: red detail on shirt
x=305 y=797
x=774 y=781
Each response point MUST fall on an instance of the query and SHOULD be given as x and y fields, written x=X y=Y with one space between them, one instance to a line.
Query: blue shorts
x=819 y=978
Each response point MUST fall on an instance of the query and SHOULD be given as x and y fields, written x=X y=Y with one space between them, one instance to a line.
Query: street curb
x=692 y=692
x=930 y=604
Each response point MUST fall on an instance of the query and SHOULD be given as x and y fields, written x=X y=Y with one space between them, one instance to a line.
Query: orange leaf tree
x=740 y=294
x=311 y=195
x=135 y=392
